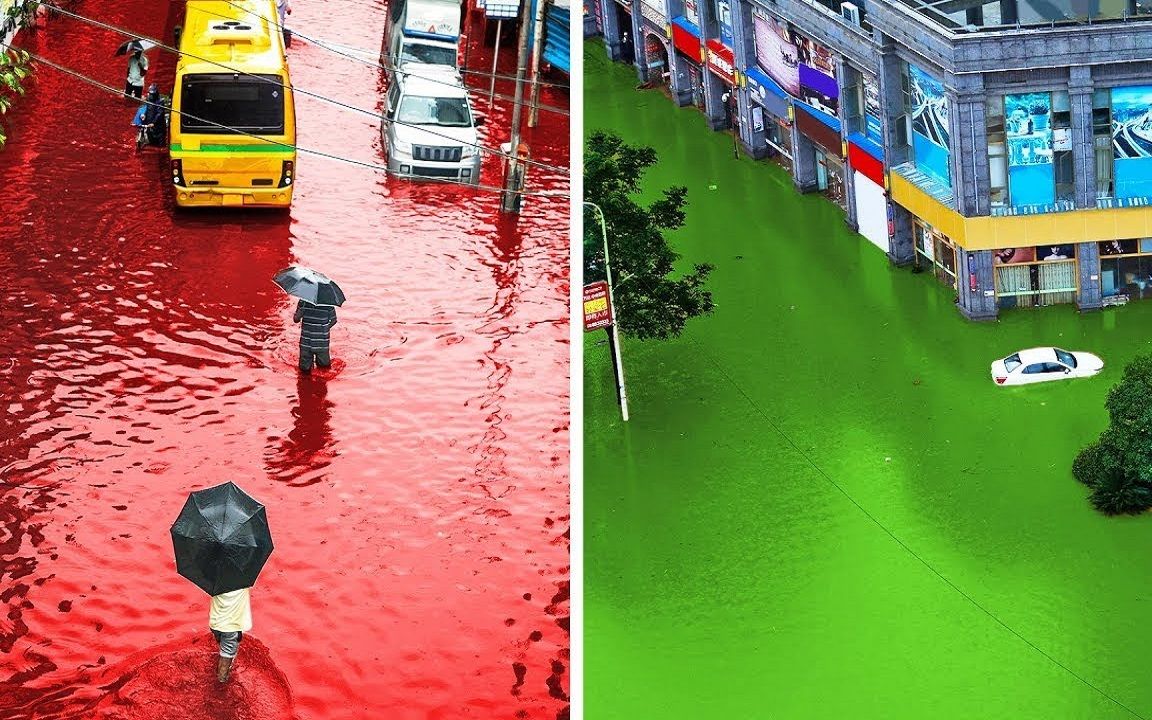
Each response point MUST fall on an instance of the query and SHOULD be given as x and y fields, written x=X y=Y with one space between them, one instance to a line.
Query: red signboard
x=597 y=307
x=686 y=43
x=864 y=163
x=722 y=61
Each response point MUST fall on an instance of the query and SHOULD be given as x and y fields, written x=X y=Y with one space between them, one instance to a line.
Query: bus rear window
x=223 y=104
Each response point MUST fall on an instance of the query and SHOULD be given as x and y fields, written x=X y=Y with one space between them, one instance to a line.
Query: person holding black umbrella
x=316 y=312
x=221 y=541
x=229 y=618
x=137 y=69
x=316 y=322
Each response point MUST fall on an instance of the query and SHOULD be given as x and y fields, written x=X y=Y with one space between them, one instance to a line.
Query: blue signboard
x=1028 y=130
x=930 y=131
x=873 y=129
x=724 y=20
x=1132 y=140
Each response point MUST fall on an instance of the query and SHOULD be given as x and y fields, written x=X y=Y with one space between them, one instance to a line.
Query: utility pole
x=514 y=180
x=614 y=330
x=537 y=49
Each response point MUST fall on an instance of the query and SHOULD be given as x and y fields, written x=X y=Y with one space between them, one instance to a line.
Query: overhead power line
x=361 y=51
x=320 y=153
x=277 y=83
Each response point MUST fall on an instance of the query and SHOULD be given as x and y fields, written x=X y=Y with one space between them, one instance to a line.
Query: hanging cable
x=320 y=153
x=280 y=84
x=351 y=50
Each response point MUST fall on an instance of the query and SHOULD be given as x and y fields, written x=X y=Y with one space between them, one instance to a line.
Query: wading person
x=316 y=322
x=137 y=69
x=229 y=618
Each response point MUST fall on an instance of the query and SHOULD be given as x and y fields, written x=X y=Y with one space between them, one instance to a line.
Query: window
x=903 y=123
x=997 y=157
x=1031 y=276
x=1065 y=357
x=1126 y=268
x=853 y=96
x=1034 y=369
x=446 y=112
x=221 y=104
x=1062 y=149
x=1102 y=138
x=1012 y=362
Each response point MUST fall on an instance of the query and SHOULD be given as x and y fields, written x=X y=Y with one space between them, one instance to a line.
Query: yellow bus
x=233 y=130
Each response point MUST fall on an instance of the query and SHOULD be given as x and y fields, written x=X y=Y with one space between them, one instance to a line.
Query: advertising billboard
x=1028 y=130
x=874 y=131
x=724 y=20
x=930 y=127
x=805 y=69
x=1132 y=140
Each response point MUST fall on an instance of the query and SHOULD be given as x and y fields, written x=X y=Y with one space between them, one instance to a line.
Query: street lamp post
x=613 y=331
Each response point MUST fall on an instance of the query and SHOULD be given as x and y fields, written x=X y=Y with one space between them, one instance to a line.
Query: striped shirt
x=315 y=323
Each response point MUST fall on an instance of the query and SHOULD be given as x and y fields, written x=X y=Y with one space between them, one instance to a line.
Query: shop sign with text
x=597 y=306
x=722 y=61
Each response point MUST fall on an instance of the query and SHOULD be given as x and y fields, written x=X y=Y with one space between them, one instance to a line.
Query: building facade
x=1004 y=148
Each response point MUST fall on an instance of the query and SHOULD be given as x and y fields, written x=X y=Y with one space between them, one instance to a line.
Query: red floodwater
x=417 y=491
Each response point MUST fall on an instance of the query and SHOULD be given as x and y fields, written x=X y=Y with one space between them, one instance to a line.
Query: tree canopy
x=1118 y=466
x=651 y=302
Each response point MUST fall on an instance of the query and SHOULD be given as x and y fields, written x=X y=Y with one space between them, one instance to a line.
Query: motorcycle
x=154 y=134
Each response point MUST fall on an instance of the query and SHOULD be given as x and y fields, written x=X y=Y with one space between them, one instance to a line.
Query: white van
x=429 y=128
x=422 y=31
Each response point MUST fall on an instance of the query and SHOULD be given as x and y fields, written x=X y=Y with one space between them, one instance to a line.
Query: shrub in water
x=1120 y=495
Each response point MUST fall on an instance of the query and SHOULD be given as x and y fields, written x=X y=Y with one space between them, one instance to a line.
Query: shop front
x=722 y=63
x=689 y=51
x=1036 y=276
x=1125 y=270
x=623 y=10
x=935 y=251
x=823 y=132
x=868 y=193
x=654 y=21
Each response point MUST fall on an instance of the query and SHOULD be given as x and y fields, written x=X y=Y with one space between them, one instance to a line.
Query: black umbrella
x=309 y=285
x=221 y=539
x=133 y=45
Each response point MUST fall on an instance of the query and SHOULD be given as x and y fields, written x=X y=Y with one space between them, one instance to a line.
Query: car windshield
x=1012 y=362
x=447 y=112
x=218 y=104
x=1065 y=357
x=428 y=54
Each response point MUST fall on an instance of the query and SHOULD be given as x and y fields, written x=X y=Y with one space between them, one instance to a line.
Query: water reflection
x=301 y=458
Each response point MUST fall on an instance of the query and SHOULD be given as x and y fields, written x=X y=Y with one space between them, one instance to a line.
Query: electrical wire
x=309 y=93
x=387 y=68
x=320 y=153
x=375 y=6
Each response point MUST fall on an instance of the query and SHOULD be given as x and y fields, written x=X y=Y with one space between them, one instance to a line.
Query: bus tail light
x=286 y=173
x=177 y=172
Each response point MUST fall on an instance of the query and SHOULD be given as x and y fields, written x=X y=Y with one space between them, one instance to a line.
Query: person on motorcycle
x=153 y=121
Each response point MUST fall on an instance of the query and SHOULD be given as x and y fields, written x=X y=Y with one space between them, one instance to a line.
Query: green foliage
x=1119 y=465
x=650 y=303
x=15 y=68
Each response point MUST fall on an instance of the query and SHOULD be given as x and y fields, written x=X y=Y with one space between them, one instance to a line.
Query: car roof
x=437 y=84
x=1035 y=355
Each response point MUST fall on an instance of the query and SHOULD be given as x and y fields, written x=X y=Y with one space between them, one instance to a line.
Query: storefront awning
x=868 y=145
x=765 y=92
x=687 y=26
x=829 y=120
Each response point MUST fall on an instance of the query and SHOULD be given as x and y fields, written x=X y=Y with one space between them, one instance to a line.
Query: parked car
x=429 y=127
x=1042 y=364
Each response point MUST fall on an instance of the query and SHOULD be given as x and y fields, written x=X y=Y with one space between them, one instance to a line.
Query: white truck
x=429 y=127
x=422 y=31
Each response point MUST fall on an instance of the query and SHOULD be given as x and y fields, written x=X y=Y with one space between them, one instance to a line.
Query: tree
x=649 y=303
x=14 y=69
x=1118 y=467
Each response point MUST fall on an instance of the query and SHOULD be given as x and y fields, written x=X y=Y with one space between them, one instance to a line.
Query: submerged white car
x=1046 y=363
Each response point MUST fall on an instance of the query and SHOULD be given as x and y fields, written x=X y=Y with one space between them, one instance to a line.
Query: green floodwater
x=726 y=576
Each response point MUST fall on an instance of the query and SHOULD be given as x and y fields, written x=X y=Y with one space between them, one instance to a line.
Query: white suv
x=429 y=128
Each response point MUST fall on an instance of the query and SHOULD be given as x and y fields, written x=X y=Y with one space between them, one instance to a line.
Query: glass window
x=1065 y=357
x=215 y=104
x=853 y=95
x=1102 y=138
x=1012 y=362
x=997 y=157
x=446 y=112
x=1034 y=369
